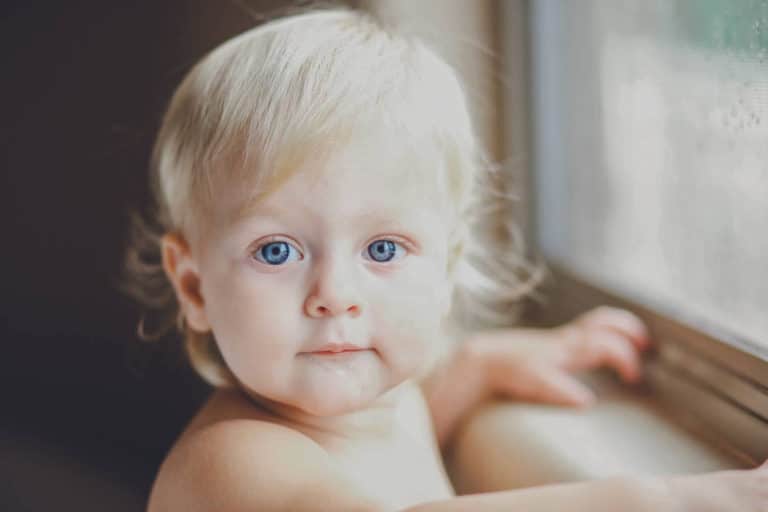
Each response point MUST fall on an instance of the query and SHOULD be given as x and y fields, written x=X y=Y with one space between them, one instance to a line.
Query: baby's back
x=234 y=456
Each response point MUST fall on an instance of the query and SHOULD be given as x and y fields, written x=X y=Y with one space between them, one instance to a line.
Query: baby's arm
x=533 y=364
x=725 y=491
x=235 y=467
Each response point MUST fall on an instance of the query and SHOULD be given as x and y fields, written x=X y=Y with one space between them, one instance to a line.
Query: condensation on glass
x=651 y=122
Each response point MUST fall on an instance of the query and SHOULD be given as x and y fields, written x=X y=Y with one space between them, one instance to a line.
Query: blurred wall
x=84 y=84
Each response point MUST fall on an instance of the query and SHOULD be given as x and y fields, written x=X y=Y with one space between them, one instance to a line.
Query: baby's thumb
x=563 y=389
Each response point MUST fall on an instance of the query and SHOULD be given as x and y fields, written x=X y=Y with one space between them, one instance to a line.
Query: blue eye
x=275 y=253
x=383 y=251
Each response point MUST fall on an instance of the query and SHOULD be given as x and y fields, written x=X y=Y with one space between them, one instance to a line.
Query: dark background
x=88 y=411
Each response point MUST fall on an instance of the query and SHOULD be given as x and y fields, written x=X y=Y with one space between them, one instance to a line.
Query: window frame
x=720 y=377
x=724 y=385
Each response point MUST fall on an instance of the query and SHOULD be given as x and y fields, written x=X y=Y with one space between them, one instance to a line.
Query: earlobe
x=183 y=274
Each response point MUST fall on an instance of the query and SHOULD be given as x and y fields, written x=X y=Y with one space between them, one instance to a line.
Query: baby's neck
x=381 y=419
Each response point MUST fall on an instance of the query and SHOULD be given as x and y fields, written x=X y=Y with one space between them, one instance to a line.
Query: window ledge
x=506 y=445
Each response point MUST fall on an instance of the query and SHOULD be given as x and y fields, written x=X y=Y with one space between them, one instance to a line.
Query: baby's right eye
x=276 y=253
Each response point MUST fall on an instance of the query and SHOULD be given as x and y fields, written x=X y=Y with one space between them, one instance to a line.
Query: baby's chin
x=329 y=385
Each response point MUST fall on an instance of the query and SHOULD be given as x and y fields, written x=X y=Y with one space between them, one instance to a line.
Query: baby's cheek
x=411 y=320
x=253 y=331
x=419 y=297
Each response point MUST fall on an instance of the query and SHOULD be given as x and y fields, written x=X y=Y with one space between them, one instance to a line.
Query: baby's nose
x=319 y=306
x=333 y=293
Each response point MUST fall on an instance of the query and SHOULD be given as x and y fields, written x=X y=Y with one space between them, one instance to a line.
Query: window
x=651 y=178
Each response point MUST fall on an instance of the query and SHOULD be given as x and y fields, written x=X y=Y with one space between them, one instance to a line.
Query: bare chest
x=398 y=471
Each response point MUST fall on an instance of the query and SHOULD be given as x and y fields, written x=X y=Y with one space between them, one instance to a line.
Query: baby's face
x=350 y=253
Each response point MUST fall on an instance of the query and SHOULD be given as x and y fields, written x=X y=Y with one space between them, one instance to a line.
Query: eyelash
x=404 y=244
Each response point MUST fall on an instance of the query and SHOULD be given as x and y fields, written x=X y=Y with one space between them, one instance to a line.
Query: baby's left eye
x=383 y=250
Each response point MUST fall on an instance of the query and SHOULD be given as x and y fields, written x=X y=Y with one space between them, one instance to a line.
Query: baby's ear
x=182 y=271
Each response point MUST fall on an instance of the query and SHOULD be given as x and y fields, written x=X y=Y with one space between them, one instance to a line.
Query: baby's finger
x=620 y=320
x=559 y=388
x=606 y=347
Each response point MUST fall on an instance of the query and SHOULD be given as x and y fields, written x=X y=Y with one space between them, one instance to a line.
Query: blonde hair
x=310 y=81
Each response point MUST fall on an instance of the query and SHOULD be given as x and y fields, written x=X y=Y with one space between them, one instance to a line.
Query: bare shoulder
x=246 y=464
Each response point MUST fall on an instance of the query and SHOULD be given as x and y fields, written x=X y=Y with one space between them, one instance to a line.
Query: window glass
x=651 y=124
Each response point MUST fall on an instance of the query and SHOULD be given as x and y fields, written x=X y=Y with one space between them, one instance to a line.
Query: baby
x=316 y=181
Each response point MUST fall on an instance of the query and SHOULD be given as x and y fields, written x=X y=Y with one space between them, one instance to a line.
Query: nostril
x=318 y=308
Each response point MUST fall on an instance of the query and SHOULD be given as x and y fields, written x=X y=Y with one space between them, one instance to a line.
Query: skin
x=268 y=319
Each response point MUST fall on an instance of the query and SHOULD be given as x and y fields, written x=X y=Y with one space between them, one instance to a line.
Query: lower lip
x=340 y=353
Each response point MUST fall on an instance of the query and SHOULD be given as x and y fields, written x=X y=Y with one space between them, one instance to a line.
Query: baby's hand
x=736 y=490
x=536 y=364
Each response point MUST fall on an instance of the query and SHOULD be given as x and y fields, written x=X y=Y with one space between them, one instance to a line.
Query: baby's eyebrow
x=375 y=216
x=253 y=208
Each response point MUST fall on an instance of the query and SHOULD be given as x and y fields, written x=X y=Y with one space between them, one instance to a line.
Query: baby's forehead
x=351 y=197
x=375 y=174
